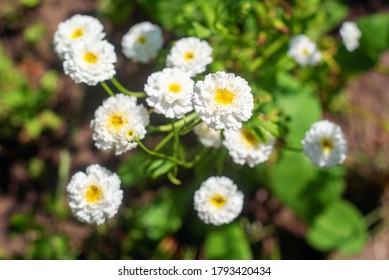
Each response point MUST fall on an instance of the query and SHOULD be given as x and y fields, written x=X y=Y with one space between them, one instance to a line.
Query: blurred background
x=45 y=138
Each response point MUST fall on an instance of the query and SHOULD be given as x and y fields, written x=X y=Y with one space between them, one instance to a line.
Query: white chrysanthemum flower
x=223 y=100
x=304 y=51
x=118 y=123
x=209 y=138
x=94 y=196
x=191 y=55
x=218 y=201
x=244 y=147
x=142 y=42
x=76 y=28
x=350 y=34
x=325 y=144
x=170 y=92
x=90 y=62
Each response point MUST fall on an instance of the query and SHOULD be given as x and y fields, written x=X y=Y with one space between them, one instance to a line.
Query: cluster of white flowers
x=118 y=123
x=350 y=34
x=142 y=42
x=325 y=144
x=94 y=196
x=191 y=55
x=87 y=57
x=223 y=100
x=245 y=148
x=218 y=201
x=170 y=92
x=303 y=50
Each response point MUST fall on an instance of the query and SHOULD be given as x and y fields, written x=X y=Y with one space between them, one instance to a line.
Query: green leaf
x=375 y=34
x=339 y=227
x=306 y=189
x=158 y=167
x=299 y=103
x=131 y=170
x=200 y=30
x=164 y=215
x=227 y=243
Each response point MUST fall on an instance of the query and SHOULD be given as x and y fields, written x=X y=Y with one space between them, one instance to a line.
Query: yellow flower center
x=327 y=145
x=224 y=96
x=116 y=121
x=218 y=200
x=249 y=138
x=77 y=33
x=305 y=51
x=188 y=56
x=93 y=194
x=175 y=88
x=142 y=40
x=131 y=135
x=90 y=57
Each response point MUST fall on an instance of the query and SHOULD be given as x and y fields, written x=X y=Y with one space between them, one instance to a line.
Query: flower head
x=218 y=201
x=325 y=144
x=223 y=100
x=118 y=123
x=209 y=138
x=191 y=55
x=169 y=92
x=350 y=34
x=90 y=62
x=76 y=28
x=303 y=50
x=94 y=196
x=244 y=147
x=142 y=42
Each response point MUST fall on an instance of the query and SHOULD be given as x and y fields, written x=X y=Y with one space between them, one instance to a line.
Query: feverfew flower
x=223 y=100
x=350 y=34
x=142 y=42
x=209 y=138
x=191 y=55
x=169 y=92
x=118 y=123
x=244 y=147
x=303 y=50
x=218 y=201
x=90 y=62
x=94 y=196
x=76 y=28
x=325 y=144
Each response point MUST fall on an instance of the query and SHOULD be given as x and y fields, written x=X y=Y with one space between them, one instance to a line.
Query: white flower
x=303 y=50
x=218 y=201
x=142 y=42
x=244 y=147
x=325 y=144
x=94 y=196
x=191 y=55
x=118 y=122
x=169 y=92
x=350 y=34
x=209 y=138
x=90 y=62
x=223 y=100
x=76 y=28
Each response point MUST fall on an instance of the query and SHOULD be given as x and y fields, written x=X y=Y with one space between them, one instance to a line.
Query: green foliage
x=227 y=243
x=339 y=227
x=22 y=108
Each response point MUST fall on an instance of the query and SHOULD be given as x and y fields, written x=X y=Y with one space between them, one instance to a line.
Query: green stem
x=164 y=141
x=121 y=88
x=374 y=216
x=177 y=124
x=107 y=89
x=190 y=127
x=163 y=156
